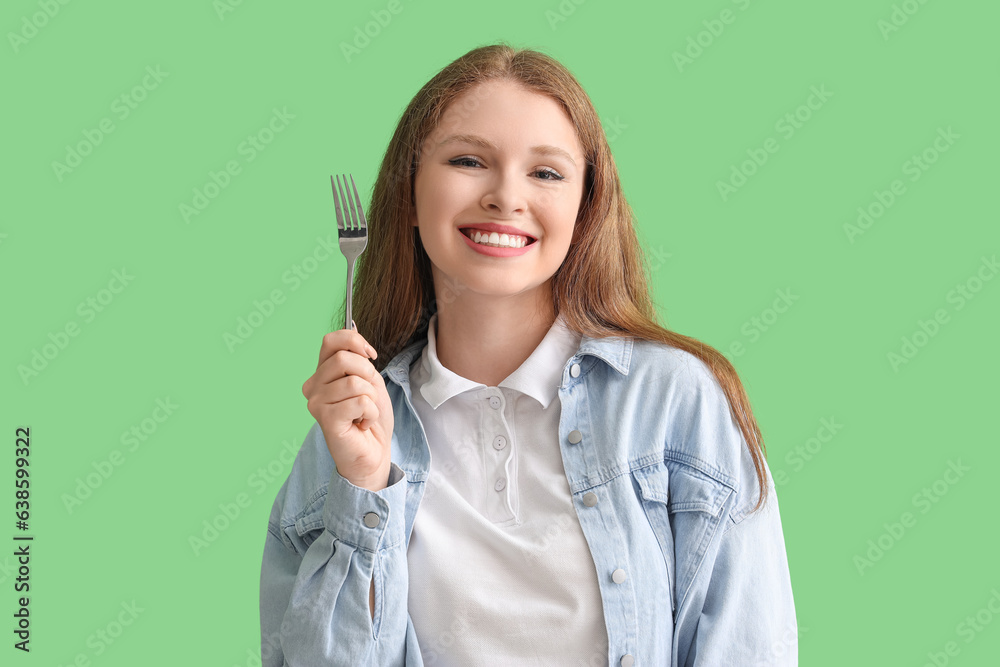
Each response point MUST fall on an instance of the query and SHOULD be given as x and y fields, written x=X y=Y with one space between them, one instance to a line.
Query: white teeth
x=499 y=240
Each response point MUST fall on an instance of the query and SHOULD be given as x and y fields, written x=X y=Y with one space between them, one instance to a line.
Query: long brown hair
x=601 y=288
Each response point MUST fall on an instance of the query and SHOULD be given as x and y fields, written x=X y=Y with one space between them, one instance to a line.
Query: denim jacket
x=662 y=483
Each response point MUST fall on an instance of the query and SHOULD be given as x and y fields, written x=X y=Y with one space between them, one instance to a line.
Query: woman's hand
x=347 y=397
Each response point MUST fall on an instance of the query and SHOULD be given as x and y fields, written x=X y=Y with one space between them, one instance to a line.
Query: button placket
x=495 y=425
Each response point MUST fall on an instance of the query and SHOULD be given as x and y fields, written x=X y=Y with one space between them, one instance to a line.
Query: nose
x=504 y=196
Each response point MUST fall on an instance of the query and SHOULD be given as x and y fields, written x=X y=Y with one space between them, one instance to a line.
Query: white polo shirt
x=499 y=569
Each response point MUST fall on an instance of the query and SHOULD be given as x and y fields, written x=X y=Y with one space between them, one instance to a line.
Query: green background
x=717 y=263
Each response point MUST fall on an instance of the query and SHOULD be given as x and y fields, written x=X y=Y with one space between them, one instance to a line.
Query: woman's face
x=503 y=155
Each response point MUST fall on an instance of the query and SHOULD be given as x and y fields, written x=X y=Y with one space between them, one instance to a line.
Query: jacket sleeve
x=734 y=587
x=314 y=595
x=747 y=614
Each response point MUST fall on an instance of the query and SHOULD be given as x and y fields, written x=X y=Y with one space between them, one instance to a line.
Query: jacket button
x=618 y=576
x=575 y=437
x=371 y=520
x=574 y=370
x=627 y=660
x=590 y=499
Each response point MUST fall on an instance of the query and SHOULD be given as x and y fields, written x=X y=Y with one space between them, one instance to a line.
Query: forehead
x=505 y=112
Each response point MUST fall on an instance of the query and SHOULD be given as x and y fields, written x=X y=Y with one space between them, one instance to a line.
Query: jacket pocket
x=684 y=507
x=654 y=489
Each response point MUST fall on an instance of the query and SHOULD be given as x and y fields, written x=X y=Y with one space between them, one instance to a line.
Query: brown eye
x=554 y=174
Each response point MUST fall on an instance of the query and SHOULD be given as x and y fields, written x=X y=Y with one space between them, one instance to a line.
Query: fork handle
x=349 y=322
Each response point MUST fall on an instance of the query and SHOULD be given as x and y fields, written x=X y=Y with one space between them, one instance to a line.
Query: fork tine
x=361 y=211
x=349 y=206
x=336 y=205
x=349 y=221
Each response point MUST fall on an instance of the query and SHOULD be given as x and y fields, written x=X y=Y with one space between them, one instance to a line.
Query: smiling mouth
x=495 y=240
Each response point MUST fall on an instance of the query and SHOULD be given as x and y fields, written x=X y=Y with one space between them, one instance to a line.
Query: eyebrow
x=482 y=142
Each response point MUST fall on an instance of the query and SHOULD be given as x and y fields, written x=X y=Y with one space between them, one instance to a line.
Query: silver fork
x=352 y=232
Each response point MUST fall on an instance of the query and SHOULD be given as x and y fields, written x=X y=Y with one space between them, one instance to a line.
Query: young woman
x=529 y=470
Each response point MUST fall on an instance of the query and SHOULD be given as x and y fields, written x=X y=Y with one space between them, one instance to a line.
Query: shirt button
x=627 y=660
x=499 y=442
x=501 y=483
x=618 y=576
x=371 y=520
x=495 y=402
x=590 y=499
x=574 y=370
x=575 y=437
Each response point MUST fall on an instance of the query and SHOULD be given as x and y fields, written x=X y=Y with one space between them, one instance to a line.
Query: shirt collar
x=539 y=376
x=615 y=351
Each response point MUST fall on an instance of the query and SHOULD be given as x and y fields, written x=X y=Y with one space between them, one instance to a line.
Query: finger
x=377 y=380
x=365 y=424
x=344 y=363
x=344 y=339
x=344 y=389
x=348 y=413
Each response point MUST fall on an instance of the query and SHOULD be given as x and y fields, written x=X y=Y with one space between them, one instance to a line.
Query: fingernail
x=371 y=351
x=353 y=325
